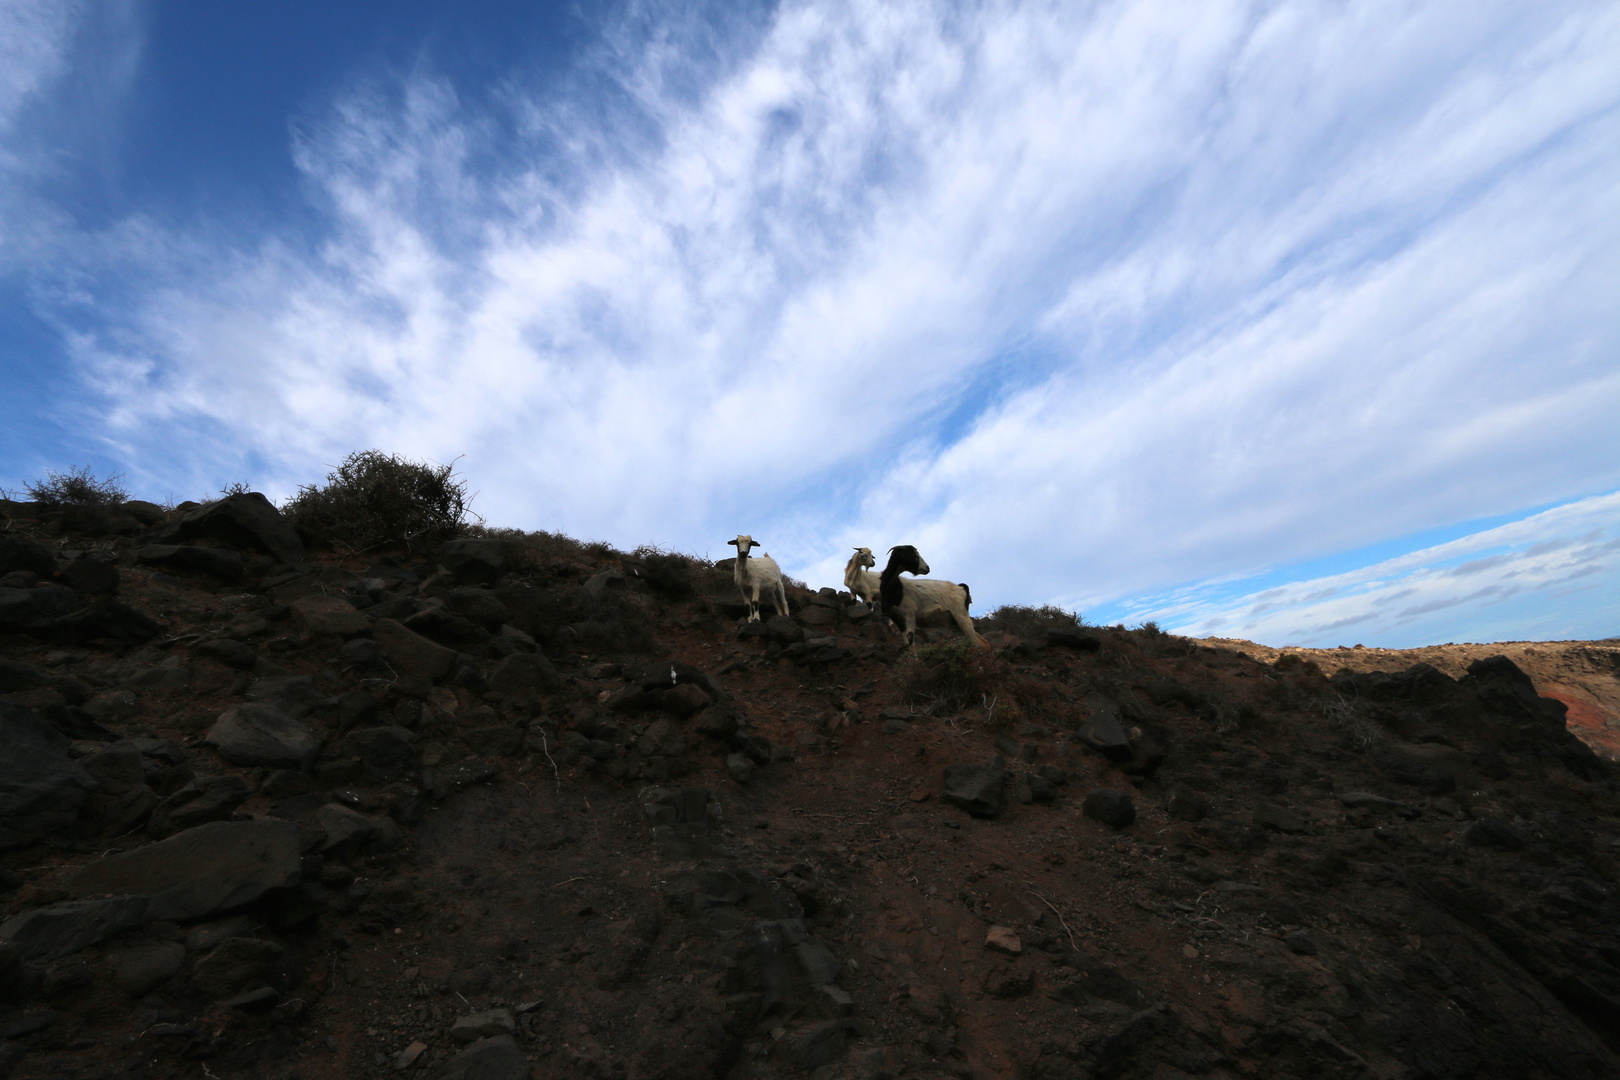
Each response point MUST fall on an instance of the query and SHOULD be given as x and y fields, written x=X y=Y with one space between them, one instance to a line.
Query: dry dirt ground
x=674 y=850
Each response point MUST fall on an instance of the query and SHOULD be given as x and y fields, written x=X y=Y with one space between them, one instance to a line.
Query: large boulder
x=226 y=565
x=107 y=620
x=50 y=933
x=21 y=553
x=90 y=576
x=349 y=831
x=32 y=610
x=41 y=788
x=329 y=615
x=978 y=789
x=1116 y=809
x=290 y=695
x=478 y=606
x=409 y=653
x=1104 y=734
x=251 y=734
x=205 y=799
x=242 y=521
x=213 y=867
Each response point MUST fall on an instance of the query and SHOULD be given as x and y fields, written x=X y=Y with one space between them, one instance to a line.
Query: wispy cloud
x=1555 y=574
x=1085 y=300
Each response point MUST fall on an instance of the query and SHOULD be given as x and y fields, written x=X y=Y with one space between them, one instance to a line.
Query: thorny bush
x=668 y=574
x=77 y=489
x=1028 y=622
x=957 y=675
x=378 y=500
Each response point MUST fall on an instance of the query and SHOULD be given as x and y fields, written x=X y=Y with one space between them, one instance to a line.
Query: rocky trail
x=516 y=806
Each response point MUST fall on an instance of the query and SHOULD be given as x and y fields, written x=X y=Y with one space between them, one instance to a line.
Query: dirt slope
x=571 y=822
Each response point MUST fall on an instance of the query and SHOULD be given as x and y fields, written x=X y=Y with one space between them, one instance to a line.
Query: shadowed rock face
x=210 y=868
x=243 y=521
x=41 y=788
x=584 y=824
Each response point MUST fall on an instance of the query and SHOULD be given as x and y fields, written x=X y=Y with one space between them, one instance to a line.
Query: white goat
x=754 y=575
x=858 y=579
x=905 y=600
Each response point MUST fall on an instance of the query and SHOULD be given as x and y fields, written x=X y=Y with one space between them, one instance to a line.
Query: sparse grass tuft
x=376 y=500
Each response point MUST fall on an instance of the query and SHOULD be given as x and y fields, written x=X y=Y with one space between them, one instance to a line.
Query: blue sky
x=1290 y=321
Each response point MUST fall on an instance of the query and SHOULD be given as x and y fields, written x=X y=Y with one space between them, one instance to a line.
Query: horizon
x=1290 y=323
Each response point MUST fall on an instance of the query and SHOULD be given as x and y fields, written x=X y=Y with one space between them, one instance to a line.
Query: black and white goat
x=858 y=577
x=756 y=575
x=905 y=600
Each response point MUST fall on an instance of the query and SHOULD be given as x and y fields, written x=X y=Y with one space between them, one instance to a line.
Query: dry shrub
x=668 y=574
x=1357 y=730
x=1028 y=622
x=376 y=500
x=957 y=676
x=78 y=489
x=540 y=547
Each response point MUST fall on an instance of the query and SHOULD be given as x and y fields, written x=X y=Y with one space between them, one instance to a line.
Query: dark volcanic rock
x=978 y=789
x=497 y=1058
x=478 y=606
x=91 y=576
x=1185 y=805
x=202 y=800
x=1113 y=808
x=33 y=610
x=141 y=967
x=49 y=933
x=409 y=653
x=226 y=565
x=476 y=561
x=233 y=964
x=21 y=553
x=1490 y=832
x=237 y=654
x=523 y=673
x=210 y=868
x=41 y=788
x=1279 y=818
x=783 y=630
x=385 y=753
x=241 y=521
x=1104 y=734
x=260 y=735
x=107 y=620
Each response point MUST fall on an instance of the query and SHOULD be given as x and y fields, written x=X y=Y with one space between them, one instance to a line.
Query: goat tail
x=967 y=594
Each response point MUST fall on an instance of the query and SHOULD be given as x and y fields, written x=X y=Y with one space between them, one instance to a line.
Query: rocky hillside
x=1584 y=675
x=514 y=806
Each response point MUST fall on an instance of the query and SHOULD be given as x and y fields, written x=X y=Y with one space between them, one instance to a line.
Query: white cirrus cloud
x=1552 y=575
x=1087 y=301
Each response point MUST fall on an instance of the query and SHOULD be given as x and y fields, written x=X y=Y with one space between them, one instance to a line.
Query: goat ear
x=733 y=543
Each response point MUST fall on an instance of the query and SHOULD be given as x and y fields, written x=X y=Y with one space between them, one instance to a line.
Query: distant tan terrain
x=1584 y=675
